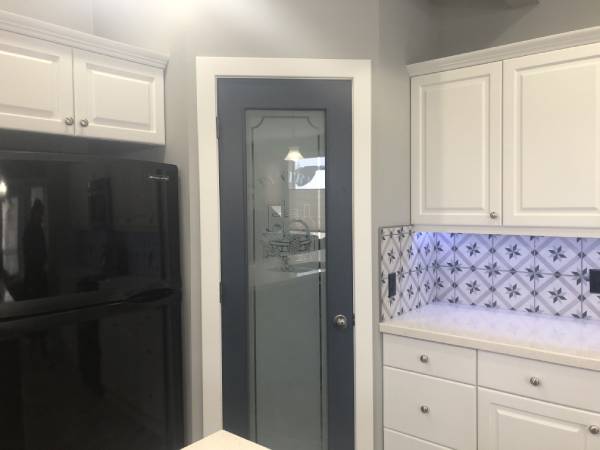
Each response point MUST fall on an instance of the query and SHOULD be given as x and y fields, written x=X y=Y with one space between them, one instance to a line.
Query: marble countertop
x=222 y=440
x=573 y=342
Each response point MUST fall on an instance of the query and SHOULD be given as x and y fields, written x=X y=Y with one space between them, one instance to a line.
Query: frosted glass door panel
x=285 y=154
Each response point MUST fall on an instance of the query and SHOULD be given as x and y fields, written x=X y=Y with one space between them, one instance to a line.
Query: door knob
x=493 y=215
x=425 y=409
x=594 y=429
x=340 y=321
x=84 y=122
x=69 y=121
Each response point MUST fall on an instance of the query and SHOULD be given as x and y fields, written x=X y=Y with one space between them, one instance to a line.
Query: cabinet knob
x=493 y=215
x=84 y=122
x=69 y=121
x=535 y=381
x=425 y=409
x=424 y=359
x=594 y=429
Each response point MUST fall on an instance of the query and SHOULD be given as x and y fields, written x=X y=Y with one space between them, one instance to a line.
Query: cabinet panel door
x=119 y=100
x=456 y=145
x=509 y=422
x=552 y=138
x=37 y=85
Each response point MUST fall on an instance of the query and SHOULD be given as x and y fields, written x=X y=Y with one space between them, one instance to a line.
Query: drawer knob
x=69 y=121
x=535 y=381
x=84 y=122
x=424 y=359
x=425 y=409
x=594 y=429
x=493 y=215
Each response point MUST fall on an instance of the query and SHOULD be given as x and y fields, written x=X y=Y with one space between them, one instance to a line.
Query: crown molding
x=492 y=54
x=72 y=38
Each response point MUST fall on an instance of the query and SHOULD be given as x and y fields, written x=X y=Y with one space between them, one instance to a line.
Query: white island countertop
x=560 y=340
x=223 y=440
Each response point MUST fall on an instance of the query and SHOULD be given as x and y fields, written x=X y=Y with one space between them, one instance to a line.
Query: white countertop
x=573 y=342
x=222 y=440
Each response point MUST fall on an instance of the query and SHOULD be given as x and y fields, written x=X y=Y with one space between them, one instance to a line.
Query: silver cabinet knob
x=535 y=381
x=69 y=121
x=594 y=429
x=425 y=409
x=340 y=321
x=84 y=122
x=424 y=359
x=493 y=215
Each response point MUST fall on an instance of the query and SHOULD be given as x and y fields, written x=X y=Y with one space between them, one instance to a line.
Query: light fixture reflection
x=3 y=189
x=294 y=154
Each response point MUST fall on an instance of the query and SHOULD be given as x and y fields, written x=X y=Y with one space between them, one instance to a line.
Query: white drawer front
x=550 y=382
x=393 y=440
x=432 y=409
x=430 y=358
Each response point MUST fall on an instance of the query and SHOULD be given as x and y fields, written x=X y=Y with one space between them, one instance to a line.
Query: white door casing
x=208 y=336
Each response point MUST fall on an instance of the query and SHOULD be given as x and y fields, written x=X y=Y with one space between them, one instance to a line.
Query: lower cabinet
x=513 y=403
x=392 y=440
x=510 y=422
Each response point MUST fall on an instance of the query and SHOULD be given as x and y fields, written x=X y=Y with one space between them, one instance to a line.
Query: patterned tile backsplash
x=547 y=275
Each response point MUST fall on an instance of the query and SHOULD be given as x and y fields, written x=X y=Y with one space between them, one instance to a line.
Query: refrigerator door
x=101 y=378
x=78 y=231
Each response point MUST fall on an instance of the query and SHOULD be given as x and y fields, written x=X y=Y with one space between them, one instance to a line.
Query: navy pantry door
x=285 y=157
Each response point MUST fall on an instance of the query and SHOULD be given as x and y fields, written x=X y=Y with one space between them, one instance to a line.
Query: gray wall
x=75 y=14
x=467 y=25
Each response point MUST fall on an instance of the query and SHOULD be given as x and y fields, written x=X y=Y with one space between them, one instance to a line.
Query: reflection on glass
x=286 y=241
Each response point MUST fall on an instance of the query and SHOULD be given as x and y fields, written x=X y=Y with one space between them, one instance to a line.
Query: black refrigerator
x=90 y=292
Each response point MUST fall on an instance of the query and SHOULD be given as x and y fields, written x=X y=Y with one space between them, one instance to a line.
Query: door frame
x=208 y=71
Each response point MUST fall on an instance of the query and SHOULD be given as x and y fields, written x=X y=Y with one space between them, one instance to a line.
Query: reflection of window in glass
x=10 y=235
x=309 y=173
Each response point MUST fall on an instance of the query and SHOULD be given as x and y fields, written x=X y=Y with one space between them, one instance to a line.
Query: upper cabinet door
x=552 y=139
x=37 y=85
x=118 y=100
x=457 y=146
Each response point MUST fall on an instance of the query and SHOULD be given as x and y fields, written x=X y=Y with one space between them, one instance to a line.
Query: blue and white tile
x=424 y=244
x=558 y=295
x=427 y=287
x=558 y=255
x=513 y=290
x=444 y=285
x=473 y=250
x=590 y=253
x=474 y=287
x=409 y=292
x=513 y=252
x=444 y=248
x=408 y=249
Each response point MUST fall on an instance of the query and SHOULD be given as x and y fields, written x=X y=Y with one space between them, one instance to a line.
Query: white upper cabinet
x=61 y=81
x=36 y=79
x=117 y=99
x=552 y=138
x=457 y=146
